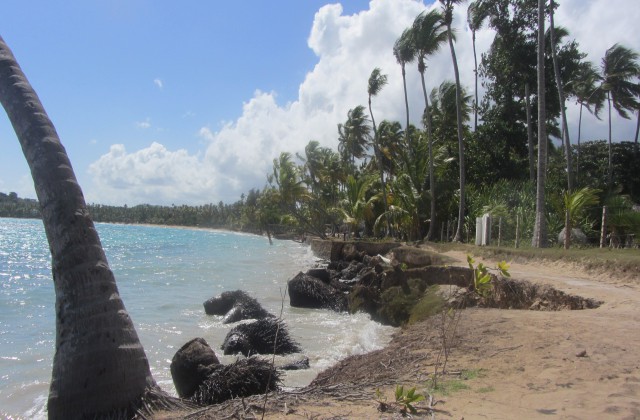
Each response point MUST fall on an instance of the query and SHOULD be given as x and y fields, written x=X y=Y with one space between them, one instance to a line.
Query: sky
x=166 y=102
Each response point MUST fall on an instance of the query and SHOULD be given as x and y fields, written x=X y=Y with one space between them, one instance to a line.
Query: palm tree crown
x=619 y=71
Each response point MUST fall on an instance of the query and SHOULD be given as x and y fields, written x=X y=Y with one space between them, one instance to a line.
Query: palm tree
x=563 y=115
x=377 y=80
x=390 y=135
x=576 y=204
x=619 y=72
x=428 y=37
x=587 y=95
x=99 y=368
x=354 y=135
x=539 y=239
x=447 y=6
x=405 y=53
x=476 y=14
x=358 y=203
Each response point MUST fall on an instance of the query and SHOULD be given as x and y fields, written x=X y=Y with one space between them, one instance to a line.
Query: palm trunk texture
x=539 y=239
x=99 y=367
x=458 y=235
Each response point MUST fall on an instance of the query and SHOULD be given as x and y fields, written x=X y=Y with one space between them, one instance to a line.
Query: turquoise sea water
x=164 y=275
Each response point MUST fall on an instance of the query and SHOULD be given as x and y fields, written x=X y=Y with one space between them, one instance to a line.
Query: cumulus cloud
x=348 y=47
x=151 y=175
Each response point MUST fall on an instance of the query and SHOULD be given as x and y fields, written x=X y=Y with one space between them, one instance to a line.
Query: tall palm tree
x=619 y=72
x=447 y=6
x=539 y=239
x=477 y=12
x=99 y=368
x=405 y=53
x=587 y=95
x=563 y=114
x=428 y=36
x=377 y=80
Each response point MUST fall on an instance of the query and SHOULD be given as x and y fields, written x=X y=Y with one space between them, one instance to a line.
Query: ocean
x=164 y=275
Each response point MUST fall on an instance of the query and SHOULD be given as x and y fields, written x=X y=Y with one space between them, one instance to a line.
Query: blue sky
x=189 y=102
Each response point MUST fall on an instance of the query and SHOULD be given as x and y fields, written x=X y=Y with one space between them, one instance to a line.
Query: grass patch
x=446 y=387
x=472 y=374
x=449 y=386
x=622 y=262
x=485 y=389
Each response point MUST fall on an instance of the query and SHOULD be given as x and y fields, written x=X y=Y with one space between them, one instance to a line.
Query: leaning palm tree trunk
x=99 y=368
x=539 y=239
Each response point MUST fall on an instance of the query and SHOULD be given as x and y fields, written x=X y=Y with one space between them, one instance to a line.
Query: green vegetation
x=391 y=179
x=459 y=383
x=403 y=398
x=430 y=304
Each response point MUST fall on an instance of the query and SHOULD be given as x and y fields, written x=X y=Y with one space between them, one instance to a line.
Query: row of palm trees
x=617 y=83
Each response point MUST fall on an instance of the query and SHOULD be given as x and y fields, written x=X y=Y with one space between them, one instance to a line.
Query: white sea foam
x=164 y=275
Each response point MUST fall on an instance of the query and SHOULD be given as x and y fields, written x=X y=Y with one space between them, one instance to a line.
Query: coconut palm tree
x=390 y=141
x=447 y=7
x=576 y=204
x=405 y=53
x=99 y=368
x=428 y=36
x=358 y=203
x=539 y=239
x=477 y=12
x=587 y=95
x=354 y=135
x=377 y=80
x=563 y=115
x=620 y=69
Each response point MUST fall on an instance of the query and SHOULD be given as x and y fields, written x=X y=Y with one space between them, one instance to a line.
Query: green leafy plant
x=482 y=276
x=406 y=398
x=403 y=398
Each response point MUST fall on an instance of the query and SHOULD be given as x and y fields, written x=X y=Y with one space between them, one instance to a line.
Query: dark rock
x=297 y=365
x=241 y=379
x=191 y=365
x=308 y=292
x=235 y=306
x=320 y=273
x=222 y=304
x=258 y=337
x=393 y=278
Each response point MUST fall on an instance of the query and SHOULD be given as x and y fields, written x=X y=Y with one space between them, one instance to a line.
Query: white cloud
x=158 y=83
x=144 y=124
x=239 y=155
x=151 y=175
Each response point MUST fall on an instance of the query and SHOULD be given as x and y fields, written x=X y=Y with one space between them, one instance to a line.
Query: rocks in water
x=191 y=365
x=306 y=291
x=235 y=306
x=258 y=337
x=297 y=365
x=243 y=378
